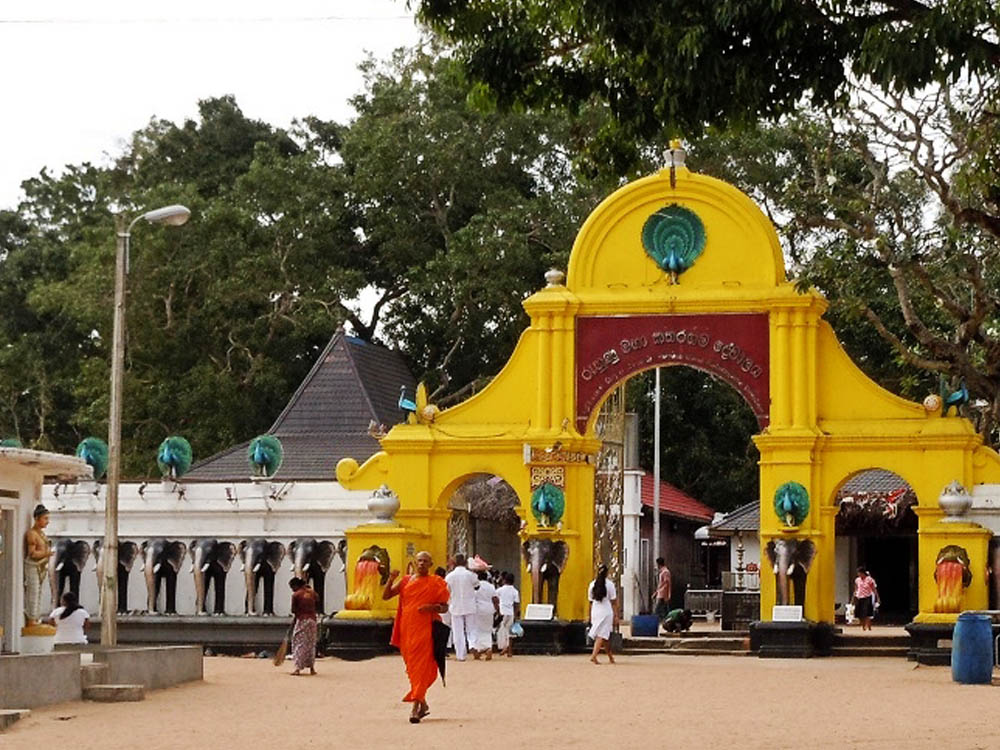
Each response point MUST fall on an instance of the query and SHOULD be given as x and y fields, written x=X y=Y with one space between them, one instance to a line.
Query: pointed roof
x=674 y=502
x=352 y=383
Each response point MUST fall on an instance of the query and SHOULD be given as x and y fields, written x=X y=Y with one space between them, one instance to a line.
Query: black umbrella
x=439 y=638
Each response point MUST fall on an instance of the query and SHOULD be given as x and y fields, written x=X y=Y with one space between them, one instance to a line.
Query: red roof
x=675 y=502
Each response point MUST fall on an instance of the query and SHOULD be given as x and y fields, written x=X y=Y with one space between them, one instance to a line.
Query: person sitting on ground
x=677 y=621
x=70 y=620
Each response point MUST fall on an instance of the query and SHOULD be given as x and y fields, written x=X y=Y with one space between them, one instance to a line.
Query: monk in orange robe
x=422 y=598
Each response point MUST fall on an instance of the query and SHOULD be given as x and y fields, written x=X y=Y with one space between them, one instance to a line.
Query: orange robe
x=411 y=632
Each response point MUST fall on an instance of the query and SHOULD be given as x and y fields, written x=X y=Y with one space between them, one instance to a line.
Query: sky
x=81 y=77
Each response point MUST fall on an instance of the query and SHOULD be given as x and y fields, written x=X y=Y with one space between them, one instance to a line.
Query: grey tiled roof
x=326 y=419
x=872 y=481
x=744 y=518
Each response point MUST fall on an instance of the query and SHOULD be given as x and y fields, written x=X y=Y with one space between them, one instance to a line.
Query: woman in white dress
x=487 y=605
x=603 y=613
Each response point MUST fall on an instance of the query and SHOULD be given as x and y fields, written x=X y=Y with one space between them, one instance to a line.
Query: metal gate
x=609 y=487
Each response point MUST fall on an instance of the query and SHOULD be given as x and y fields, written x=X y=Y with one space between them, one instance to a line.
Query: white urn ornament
x=383 y=504
x=955 y=501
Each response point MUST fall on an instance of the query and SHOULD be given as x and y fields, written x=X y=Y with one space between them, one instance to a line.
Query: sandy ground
x=532 y=702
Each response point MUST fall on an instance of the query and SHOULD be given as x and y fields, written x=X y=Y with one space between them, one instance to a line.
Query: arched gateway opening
x=680 y=268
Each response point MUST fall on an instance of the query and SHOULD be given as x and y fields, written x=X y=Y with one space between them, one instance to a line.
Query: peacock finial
x=174 y=457
x=791 y=503
x=958 y=398
x=265 y=455
x=548 y=503
x=674 y=237
x=94 y=451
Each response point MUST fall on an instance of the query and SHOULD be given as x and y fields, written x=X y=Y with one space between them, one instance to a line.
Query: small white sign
x=539 y=612
x=786 y=613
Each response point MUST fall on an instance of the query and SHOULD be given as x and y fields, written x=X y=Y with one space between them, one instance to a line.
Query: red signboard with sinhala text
x=733 y=347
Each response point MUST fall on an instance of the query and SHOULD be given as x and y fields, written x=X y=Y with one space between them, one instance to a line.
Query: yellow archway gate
x=679 y=268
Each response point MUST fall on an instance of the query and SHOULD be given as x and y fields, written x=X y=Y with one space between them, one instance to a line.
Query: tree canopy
x=445 y=215
x=686 y=65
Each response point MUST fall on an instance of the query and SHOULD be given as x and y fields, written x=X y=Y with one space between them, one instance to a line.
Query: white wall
x=279 y=511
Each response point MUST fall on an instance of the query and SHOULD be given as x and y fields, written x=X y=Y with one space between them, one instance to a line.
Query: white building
x=21 y=475
x=352 y=384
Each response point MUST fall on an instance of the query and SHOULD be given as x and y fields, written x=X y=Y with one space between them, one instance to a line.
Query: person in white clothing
x=603 y=613
x=487 y=605
x=508 y=596
x=70 y=620
x=462 y=584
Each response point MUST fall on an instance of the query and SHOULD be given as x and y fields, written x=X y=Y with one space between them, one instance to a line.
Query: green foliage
x=684 y=65
x=705 y=434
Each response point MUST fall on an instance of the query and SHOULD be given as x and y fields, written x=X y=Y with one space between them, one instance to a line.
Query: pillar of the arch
x=544 y=377
x=933 y=537
x=780 y=386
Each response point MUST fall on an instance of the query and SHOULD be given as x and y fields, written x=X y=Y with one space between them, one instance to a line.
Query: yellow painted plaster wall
x=827 y=419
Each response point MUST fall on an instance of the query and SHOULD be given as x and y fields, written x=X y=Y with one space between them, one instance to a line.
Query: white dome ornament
x=932 y=403
x=955 y=501
x=383 y=504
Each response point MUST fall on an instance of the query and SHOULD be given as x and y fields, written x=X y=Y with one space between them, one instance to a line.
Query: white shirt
x=462 y=584
x=508 y=596
x=484 y=598
x=603 y=608
x=70 y=629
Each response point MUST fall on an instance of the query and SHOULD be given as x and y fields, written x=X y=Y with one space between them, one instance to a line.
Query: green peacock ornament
x=265 y=454
x=94 y=451
x=791 y=503
x=10 y=443
x=674 y=237
x=548 y=503
x=174 y=457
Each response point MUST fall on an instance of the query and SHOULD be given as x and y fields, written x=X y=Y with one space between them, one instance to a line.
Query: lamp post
x=171 y=216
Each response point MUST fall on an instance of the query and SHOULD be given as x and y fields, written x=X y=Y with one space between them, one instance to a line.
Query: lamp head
x=171 y=215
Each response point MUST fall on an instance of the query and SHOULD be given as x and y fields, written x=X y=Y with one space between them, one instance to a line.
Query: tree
x=891 y=209
x=459 y=214
x=705 y=435
x=225 y=316
x=684 y=64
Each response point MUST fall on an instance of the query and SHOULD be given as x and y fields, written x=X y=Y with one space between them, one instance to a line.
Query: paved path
x=542 y=702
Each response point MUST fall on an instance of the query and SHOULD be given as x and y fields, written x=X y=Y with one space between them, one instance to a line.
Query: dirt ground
x=532 y=702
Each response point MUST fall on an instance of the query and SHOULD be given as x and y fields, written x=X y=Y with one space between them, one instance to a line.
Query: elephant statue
x=790 y=559
x=127 y=554
x=210 y=562
x=310 y=561
x=260 y=559
x=161 y=561
x=545 y=559
x=69 y=560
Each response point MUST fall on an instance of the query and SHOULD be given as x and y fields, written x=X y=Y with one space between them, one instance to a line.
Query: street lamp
x=172 y=216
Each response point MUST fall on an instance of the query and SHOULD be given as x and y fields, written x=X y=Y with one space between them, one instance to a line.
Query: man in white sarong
x=462 y=584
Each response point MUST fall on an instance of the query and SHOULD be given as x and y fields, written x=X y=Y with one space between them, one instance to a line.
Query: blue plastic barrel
x=645 y=625
x=972 y=650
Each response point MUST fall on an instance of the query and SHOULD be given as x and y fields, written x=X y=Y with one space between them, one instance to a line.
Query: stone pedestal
x=975 y=540
x=402 y=544
x=37 y=639
x=791 y=640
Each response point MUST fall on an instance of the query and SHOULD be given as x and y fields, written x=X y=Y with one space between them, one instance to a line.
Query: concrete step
x=706 y=652
x=712 y=644
x=898 y=641
x=114 y=693
x=866 y=650
x=9 y=715
x=95 y=673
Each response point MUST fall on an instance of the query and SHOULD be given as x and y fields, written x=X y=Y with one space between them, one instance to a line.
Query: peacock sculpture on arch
x=174 y=457
x=674 y=237
x=791 y=503
x=265 y=455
